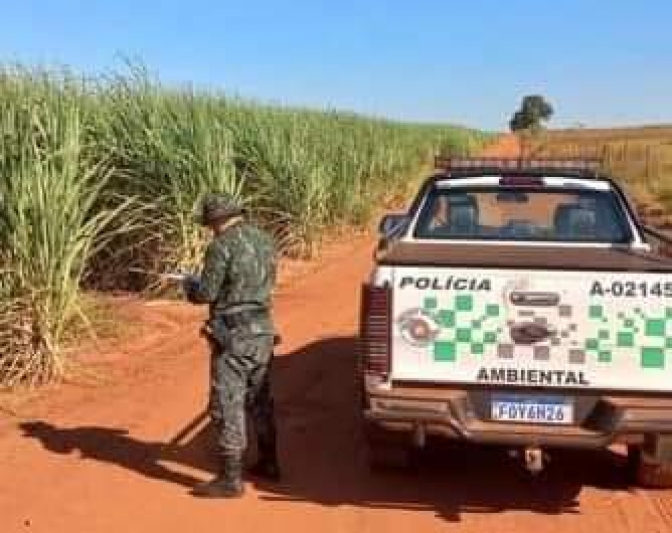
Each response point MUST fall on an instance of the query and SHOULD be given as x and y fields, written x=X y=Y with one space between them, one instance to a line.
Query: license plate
x=532 y=409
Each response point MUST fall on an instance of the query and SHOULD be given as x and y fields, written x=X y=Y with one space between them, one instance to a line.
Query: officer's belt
x=241 y=314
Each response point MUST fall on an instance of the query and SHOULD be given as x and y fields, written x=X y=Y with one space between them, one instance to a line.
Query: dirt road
x=102 y=458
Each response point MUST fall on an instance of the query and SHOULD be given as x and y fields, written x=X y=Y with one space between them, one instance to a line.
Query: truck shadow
x=322 y=453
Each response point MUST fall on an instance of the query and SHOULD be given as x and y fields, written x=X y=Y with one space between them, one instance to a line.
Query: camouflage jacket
x=239 y=270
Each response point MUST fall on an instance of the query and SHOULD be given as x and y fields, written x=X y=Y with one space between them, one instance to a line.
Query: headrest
x=461 y=200
x=573 y=220
x=463 y=217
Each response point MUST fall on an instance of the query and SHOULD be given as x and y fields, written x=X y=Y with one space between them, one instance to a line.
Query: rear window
x=497 y=213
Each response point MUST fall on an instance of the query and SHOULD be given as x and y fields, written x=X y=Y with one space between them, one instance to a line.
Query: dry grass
x=640 y=157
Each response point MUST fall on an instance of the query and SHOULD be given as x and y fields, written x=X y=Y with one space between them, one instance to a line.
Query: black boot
x=227 y=484
x=267 y=464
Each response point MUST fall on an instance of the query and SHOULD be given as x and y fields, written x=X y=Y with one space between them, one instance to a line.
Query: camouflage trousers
x=240 y=387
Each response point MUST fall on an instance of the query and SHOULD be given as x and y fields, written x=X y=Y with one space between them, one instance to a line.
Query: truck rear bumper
x=458 y=413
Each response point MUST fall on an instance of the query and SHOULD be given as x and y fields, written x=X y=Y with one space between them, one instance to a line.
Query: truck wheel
x=632 y=462
x=654 y=474
x=651 y=463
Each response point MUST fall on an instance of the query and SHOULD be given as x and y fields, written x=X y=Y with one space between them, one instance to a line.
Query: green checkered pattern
x=466 y=327
x=649 y=335
x=470 y=327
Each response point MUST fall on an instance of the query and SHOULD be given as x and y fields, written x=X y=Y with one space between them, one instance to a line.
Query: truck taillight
x=375 y=331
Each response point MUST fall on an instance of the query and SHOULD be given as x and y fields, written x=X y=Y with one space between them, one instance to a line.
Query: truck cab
x=519 y=303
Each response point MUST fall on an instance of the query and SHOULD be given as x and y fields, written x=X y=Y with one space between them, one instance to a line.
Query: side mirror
x=392 y=223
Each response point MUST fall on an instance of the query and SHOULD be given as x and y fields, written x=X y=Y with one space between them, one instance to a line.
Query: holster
x=218 y=328
x=240 y=319
x=214 y=333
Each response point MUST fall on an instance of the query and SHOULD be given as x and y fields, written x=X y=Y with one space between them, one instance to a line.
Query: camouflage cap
x=217 y=207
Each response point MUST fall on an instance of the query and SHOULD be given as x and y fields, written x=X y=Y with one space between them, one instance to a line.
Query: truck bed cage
x=589 y=167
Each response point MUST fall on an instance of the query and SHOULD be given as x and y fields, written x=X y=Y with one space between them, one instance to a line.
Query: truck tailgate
x=536 y=327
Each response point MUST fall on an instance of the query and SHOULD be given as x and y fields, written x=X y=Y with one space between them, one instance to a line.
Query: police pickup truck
x=519 y=303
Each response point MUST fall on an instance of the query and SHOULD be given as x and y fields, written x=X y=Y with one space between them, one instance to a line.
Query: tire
x=632 y=462
x=648 y=471
x=653 y=474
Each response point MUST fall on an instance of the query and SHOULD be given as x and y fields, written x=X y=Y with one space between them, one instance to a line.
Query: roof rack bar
x=510 y=163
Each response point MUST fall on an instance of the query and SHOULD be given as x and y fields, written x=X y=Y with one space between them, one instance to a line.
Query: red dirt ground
x=105 y=458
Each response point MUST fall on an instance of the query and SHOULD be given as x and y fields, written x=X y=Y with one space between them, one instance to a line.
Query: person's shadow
x=322 y=454
x=116 y=446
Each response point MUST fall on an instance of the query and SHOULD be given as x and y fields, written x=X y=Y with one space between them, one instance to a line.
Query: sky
x=598 y=62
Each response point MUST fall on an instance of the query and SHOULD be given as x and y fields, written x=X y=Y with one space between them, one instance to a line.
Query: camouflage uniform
x=237 y=279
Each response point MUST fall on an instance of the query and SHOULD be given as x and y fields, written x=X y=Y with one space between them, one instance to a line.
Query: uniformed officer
x=236 y=281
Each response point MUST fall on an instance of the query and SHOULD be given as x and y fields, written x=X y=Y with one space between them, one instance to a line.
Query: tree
x=534 y=110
